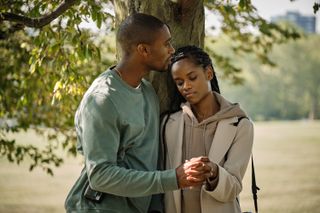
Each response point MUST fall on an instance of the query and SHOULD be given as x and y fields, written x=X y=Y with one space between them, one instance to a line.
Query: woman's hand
x=195 y=171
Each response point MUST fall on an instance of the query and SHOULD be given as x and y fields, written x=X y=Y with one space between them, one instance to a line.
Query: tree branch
x=38 y=22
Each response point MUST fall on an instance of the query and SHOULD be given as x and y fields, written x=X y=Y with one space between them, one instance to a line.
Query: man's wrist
x=177 y=178
x=169 y=180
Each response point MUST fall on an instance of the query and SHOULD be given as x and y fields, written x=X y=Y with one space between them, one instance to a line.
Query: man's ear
x=143 y=50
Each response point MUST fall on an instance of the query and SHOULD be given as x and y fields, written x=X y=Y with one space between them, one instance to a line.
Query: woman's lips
x=189 y=94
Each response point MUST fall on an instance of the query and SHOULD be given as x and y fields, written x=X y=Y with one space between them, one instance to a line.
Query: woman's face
x=192 y=81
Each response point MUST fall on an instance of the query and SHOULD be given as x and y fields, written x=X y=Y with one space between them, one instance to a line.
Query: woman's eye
x=179 y=83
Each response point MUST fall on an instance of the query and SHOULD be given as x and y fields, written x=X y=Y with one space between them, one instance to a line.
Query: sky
x=269 y=8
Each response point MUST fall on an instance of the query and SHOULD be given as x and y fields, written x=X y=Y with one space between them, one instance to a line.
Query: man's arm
x=101 y=140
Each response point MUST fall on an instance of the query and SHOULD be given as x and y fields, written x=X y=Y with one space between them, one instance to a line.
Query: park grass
x=287 y=164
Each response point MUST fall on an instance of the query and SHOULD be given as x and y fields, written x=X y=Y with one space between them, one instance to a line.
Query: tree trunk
x=313 y=114
x=186 y=21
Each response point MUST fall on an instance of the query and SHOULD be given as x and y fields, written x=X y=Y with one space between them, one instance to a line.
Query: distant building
x=307 y=23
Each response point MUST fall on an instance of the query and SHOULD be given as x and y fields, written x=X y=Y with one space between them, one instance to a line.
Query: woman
x=201 y=122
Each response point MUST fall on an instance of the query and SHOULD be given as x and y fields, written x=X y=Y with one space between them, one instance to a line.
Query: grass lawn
x=287 y=163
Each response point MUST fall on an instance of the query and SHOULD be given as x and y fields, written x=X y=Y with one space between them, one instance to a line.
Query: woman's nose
x=186 y=85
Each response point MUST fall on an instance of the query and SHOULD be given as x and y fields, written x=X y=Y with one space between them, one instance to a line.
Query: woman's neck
x=207 y=107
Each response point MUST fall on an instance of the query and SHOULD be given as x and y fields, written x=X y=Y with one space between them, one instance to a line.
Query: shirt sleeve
x=100 y=141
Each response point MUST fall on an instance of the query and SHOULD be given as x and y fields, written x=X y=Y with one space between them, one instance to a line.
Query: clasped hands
x=195 y=171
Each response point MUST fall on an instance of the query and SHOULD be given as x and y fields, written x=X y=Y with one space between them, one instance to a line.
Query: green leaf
x=316 y=7
x=242 y=3
x=33 y=68
x=49 y=171
x=99 y=20
x=31 y=167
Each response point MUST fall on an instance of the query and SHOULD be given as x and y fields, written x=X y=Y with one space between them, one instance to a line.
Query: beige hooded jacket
x=230 y=145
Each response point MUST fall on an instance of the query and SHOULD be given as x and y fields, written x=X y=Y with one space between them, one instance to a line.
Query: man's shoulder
x=149 y=90
x=147 y=85
x=104 y=84
x=99 y=91
x=146 y=82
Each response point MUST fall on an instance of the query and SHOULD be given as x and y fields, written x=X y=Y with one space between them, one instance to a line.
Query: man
x=117 y=125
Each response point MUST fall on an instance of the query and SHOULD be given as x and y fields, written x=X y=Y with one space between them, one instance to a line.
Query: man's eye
x=192 y=78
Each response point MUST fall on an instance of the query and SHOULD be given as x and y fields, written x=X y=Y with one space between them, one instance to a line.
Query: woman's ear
x=209 y=73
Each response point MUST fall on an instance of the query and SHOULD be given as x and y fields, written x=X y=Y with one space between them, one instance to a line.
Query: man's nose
x=171 y=49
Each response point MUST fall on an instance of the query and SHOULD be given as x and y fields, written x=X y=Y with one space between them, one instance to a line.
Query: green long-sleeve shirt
x=118 y=133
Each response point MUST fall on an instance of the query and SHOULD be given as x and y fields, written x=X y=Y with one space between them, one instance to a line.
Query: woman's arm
x=230 y=174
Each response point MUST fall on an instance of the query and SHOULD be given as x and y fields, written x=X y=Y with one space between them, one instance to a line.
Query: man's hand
x=194 y=172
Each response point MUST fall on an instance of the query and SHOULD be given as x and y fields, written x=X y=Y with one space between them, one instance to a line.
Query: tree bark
x=38 y=22
x=186 y=21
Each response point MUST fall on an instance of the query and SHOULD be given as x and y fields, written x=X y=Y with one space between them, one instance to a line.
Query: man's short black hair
x=138 y=28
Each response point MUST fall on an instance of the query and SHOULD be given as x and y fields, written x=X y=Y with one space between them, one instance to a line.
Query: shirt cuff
x=169 y=180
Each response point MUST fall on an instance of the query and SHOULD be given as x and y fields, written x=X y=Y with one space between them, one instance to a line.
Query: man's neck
x=131 y=73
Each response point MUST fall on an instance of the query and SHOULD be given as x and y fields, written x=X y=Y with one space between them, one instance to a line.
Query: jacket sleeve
x=100 y=141
x=231 y=173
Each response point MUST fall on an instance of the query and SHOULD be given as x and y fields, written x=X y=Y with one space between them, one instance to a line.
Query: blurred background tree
x=49 y=58
x=288 y=91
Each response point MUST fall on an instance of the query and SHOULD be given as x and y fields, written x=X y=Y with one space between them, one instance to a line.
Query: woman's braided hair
x=198 y=57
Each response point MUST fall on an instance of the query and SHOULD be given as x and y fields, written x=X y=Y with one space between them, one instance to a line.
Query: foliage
x=44 y=73
x=46 y=67
x=316 y=7
x=287 y=91
x=249 y=33
x=300 y=62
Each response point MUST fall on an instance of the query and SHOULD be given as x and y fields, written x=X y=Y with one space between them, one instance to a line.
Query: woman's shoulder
x=239 y=122
x=175 y=116
x=244 y=124
x=172 y=118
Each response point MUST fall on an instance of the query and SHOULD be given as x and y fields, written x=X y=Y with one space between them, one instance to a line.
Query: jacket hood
x=227 y=110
